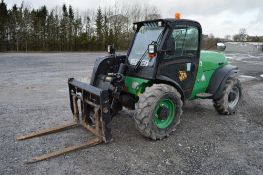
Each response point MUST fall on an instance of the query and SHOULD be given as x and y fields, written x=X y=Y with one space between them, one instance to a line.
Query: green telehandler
x=163 y=68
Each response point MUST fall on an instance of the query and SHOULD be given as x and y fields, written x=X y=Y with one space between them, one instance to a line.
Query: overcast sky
x=220 y=17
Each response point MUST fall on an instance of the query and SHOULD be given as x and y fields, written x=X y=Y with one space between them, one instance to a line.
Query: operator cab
x=161 y=48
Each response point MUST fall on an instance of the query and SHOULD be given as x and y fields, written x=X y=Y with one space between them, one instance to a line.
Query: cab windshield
x=148 y=33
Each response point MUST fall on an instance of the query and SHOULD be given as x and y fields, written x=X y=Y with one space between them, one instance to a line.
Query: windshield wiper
x=140 y=60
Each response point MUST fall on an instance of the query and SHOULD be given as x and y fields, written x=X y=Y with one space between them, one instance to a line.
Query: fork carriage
x=90 y=109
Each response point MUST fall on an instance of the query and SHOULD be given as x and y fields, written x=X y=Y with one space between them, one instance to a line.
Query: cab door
x=180 y=56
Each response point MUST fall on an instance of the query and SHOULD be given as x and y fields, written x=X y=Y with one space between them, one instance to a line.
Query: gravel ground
x=33 y=95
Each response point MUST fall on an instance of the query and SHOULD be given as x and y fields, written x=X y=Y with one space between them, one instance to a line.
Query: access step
x=204 y=95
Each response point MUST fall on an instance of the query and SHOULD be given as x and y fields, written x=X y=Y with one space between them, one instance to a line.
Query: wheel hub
x=233 y=97
x=164 y=113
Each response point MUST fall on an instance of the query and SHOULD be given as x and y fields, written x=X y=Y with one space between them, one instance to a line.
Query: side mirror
x=152 y=50
x=111 y=49
x=221 y=46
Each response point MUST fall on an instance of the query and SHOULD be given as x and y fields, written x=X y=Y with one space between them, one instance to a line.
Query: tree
x=16 y=25
x=27 y=27
x=70 y=26
x=42 y=17
x=88 y=27
x=243 y=34
x=209 y=42
x=105 y=31
x=52 y=31
x=86 y=36
x=77 y=30
x=64 y=29
x=99 y=23
x=4 y=25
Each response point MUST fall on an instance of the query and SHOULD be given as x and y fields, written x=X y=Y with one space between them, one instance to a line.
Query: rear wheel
x=158 y=111
x=228 y=102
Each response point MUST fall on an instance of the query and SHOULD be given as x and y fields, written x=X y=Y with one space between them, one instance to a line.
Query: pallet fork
x=94 y=116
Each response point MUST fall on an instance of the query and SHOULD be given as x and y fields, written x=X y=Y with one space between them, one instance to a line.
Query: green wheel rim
x=164 y=113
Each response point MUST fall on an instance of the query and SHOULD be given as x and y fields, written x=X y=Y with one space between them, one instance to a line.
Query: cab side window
x=183 y=41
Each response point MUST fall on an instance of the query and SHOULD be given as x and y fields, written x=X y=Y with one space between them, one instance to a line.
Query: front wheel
x=228 y=102
x=158 y=111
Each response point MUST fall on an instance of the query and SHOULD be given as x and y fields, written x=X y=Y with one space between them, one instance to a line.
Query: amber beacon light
x=177 y=16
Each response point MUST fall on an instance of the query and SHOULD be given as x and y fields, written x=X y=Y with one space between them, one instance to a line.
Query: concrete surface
x=244 y=47
x=33 y=95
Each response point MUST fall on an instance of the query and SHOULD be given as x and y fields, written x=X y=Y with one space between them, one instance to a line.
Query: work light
x=160 y=23
x=152 y=48
x=135 y=26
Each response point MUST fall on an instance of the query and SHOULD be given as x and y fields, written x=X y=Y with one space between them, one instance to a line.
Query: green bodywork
x=136 y=85
x=209 y=62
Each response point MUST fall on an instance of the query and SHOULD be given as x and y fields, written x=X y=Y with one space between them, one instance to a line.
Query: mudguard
x=167 y=80
x=218 y=80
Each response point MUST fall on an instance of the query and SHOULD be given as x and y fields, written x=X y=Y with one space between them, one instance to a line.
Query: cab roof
x=171 y=21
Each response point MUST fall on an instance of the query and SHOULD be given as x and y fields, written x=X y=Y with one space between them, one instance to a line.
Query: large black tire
x=228 y=101
x=144 y=115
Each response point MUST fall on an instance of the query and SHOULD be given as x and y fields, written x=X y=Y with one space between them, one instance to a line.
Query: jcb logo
x=182 y=75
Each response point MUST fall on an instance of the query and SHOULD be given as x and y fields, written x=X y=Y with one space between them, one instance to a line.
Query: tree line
x=242 y=36
x=66 y=29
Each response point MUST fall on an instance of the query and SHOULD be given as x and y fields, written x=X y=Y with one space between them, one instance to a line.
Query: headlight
x=135 y=85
